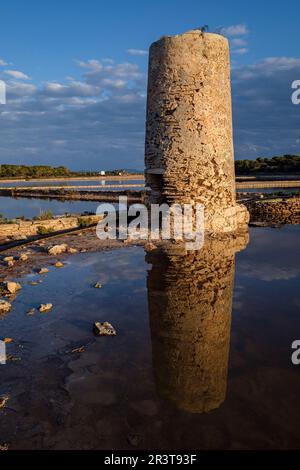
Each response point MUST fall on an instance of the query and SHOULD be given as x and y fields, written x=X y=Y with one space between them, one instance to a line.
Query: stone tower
x=189 y=145
x=190 y=304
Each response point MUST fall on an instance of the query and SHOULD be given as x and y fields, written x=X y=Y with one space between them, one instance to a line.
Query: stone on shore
x=104 y=329
x=57 y=249
x=59 y=264
x=8 y=258
x=4 y=306
x=43 y=271
x=72 y=250
x=10 y=287
x=23 y=257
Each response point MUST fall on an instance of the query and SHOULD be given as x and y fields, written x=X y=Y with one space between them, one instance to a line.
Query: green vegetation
x=85 y=222
x=276 y=165
x=45 y=230
x=39 y=171
x=45 y=171
x=44 y=215
x=4 y=220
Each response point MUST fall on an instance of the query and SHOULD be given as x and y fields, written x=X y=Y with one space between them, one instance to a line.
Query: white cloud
x=137 y=52
x=235 y=30
x=238 y=42
x=101 y=115
x=241 y=51
x=17 y=74
x=3 y=63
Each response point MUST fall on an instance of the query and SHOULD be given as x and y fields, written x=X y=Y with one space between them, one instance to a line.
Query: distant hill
x=281 y=164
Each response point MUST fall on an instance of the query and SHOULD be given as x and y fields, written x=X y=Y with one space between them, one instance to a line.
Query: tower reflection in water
x=190 y=306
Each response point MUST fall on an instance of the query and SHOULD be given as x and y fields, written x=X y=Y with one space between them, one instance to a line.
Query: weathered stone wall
x=190 y=303
x=286 y=211
x=23 y=229
x=189 y=145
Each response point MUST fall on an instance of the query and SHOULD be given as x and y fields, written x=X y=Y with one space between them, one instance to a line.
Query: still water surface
x=16 y=207
x=202 y=359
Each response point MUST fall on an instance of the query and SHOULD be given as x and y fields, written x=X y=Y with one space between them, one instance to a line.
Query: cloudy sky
x=76 y=76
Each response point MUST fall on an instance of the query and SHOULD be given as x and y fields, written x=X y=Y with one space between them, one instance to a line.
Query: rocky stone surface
x=25 y=229
x=189 y=145
x=278 y=211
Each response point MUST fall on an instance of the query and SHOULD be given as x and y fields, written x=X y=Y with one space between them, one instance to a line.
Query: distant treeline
x=45 y=171
x=274 y=165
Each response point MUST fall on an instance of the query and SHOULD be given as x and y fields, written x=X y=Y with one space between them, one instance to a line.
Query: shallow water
x=28 y=208
x=188 y=369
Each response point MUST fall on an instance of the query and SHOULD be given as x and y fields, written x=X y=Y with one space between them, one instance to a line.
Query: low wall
x=280 y=211
x=26 y=229
x=75 y=195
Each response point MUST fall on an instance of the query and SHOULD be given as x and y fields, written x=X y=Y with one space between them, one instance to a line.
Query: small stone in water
x=43 y=271
x=59 y=264
x=4 y=306
x=4 y=447
x=3 y=401
x=31 y=311
x=98 y=285
x=45 y=308
x=104 y=329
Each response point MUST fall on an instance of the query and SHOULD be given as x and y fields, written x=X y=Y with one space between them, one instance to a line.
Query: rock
x=33 y=283
x=72 y=250
x=3 y=401
x=59 y=264
x=104 y=329
x=31 y=312
x=10 y=264
x=98 y=285
x=23 y=257
x=8 y=258
x=8 y=340
x=10 y=287
x=4 y=447
x=45 y=308
x=4 y=306
x=57 y=249
x=43 y=271
x=150 y=246
x=134 y=439
x=83 y=250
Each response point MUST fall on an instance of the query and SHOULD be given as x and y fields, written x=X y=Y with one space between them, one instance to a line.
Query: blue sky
x=76 y=76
